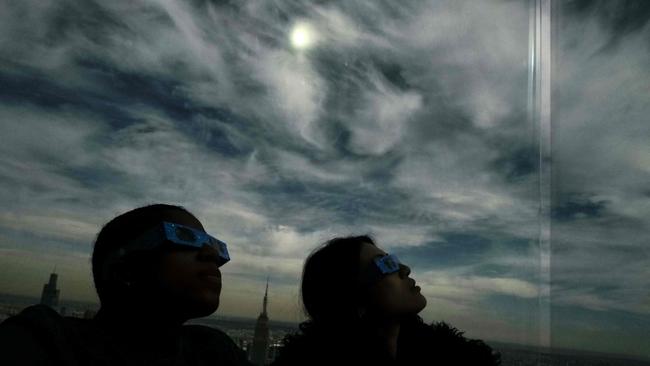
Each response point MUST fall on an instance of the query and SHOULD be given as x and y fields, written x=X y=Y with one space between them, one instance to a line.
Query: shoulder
x=36 y=334
x=318 y=346
x=37 y=319
x=41 y=319
x=214 y=344
x=204 y=336
x=444 y=343
x=306 y=348
x=202 y=331
x=41 y=314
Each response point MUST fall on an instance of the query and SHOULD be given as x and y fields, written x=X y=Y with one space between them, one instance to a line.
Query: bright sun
x=302 y=36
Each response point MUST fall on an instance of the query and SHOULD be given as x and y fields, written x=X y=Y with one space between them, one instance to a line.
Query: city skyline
x=511 y=353
x=283 y=124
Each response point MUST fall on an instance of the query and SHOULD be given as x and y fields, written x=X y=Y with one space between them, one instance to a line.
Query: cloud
x=296 y=91
x=61 y=228
x=380 y=122
x=404 y=121
x=468 y=56
x=61 y=135
x=458 y=287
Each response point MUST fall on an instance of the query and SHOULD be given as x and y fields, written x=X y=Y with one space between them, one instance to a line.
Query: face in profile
x=395 y=294
x=188 y=278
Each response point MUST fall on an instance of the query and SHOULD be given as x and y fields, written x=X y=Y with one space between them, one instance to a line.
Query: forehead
x=368 y=253
x=183 y=218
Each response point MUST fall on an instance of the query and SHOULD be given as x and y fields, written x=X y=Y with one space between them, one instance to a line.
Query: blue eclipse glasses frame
x=176 y=234
x=388 y=264
x=383 y=266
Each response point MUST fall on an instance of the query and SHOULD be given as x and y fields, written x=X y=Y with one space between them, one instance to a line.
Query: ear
x=121 y=273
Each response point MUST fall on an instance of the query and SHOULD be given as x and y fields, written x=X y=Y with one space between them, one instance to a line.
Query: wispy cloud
x=405 y=121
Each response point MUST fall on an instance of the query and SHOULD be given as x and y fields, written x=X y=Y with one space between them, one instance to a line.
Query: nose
x=208 y=253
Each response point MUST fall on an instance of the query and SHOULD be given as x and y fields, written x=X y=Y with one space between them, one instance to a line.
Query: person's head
x=182 y=281
x=336 y=289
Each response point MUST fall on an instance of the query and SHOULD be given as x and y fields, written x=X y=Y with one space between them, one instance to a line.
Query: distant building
x=244 y=344
x=50 y=294
x=274 y=349
x=260 y=347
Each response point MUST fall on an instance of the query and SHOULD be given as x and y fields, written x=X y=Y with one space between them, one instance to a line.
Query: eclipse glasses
x=382 y=266
x=176 y=234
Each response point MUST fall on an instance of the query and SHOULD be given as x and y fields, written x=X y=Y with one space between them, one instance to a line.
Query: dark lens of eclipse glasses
x=185 y=234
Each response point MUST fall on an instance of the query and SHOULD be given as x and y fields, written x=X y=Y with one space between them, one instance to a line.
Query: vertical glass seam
x=539 y=109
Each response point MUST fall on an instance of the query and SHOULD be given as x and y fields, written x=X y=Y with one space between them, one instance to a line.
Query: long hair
x=330 y=294
x=331 y=299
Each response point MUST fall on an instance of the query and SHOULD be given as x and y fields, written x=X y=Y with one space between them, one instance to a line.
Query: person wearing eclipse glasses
x=362 y=307
x=154 y=268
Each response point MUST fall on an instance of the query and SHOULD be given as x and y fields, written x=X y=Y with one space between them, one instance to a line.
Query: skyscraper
x=50 y=294
x=260 y=347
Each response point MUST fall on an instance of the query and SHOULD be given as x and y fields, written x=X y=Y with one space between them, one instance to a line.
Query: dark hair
x=119 y=231
x=331 y=298
x=329 y=290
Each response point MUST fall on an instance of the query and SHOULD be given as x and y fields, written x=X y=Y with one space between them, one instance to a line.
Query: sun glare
x=302 y=36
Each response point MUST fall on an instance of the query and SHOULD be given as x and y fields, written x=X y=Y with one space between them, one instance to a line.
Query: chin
x=421 y=304
x=211 y=304
x=204 y=311
x=205 y=305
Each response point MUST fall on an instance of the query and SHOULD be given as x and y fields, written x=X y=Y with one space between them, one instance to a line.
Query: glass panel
x=600 y=211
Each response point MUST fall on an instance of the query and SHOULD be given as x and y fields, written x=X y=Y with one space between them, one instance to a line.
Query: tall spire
x=266 y=296
x=260 y=346
x=50 y=294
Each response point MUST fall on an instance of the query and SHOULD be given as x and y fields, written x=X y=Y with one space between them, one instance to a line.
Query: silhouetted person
x=154 y=268
x=362 y=307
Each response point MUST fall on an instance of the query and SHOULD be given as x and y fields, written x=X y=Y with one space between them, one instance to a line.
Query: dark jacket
x=40 y=336
x=418 y=344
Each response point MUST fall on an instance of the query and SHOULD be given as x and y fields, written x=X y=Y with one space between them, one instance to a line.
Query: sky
x=282 y=124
